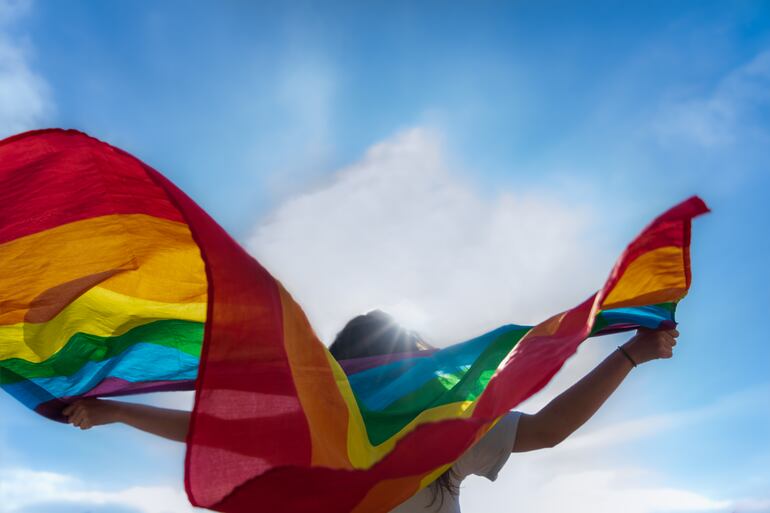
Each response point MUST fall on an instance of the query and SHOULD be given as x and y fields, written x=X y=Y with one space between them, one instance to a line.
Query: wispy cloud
x=652 y=425
x=545 y=486
x=25 y=99
x=303 y=100
x=752 y=505
x=735 y=108
x=398 y=230
x=12 y=10
x=22 y=489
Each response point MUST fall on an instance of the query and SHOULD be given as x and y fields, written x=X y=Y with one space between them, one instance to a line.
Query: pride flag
x=115 y=282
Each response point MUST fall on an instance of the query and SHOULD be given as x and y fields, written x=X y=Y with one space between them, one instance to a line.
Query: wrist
x=636 y=351
x=627 y=356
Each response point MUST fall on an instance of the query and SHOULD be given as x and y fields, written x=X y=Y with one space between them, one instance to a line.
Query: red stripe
x=244 y=369
x=535 y=360
x=53 y=177
x=323 y=490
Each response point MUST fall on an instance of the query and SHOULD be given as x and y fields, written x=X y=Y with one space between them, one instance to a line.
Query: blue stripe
x=378 y=387
x=131 y=365
x=650 y=316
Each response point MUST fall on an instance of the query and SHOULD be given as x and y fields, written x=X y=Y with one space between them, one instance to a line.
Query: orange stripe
x=326 y=412
x=654 y=277
x=136 y=255
x=387 y=492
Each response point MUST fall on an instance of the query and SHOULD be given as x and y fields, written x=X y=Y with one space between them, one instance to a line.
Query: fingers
x=666 y=343
x=674 y=333
x=70 y=410
x=664 y=347
x=77 y=415
x=650 y=344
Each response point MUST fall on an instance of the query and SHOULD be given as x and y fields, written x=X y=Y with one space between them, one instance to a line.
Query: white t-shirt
x=485 y=458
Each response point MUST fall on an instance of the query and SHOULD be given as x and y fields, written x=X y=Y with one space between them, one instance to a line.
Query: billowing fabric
x=114 y=282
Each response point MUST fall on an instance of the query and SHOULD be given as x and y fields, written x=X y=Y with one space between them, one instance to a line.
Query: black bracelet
x=627 y=356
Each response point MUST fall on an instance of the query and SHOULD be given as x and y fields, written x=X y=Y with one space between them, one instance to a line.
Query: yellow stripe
x=145 y=256
x=100 y=312
x=656 y=276
x=361 y=452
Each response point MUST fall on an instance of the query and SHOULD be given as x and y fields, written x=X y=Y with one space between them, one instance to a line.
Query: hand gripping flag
x=113 y=282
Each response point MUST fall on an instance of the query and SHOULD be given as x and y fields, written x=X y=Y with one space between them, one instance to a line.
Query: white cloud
x=544 y=485
x=734 y=109
x=22 y=488
x=25 y=100
x=400 y=231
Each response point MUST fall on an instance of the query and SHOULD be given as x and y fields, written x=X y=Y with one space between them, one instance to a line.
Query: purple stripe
x=355 y=365
x=618 y=328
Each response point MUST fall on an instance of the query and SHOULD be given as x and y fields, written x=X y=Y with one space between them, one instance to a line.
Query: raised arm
x=163 y=422
x=573 y=407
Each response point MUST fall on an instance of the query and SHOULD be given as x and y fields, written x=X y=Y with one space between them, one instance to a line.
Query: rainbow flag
x=116 y=282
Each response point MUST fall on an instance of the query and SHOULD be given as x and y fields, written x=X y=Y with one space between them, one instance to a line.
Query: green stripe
x=600 y=322
x=444 y=389
x=185 y=336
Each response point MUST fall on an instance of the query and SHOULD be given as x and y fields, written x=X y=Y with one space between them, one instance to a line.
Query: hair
x=377 y=333
x=372 y=334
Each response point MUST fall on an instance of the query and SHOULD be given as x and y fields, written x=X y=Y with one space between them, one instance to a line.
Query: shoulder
x=488 y=455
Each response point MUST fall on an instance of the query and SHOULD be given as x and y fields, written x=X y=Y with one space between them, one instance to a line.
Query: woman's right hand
x=87 y=413
x=650 y=344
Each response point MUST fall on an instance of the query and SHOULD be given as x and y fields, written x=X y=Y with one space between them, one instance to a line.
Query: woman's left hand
x=87 y=413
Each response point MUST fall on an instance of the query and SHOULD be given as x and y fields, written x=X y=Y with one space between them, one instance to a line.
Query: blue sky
x=514 y=148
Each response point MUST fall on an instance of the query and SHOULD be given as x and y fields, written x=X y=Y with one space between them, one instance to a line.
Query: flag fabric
x=115 y=282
